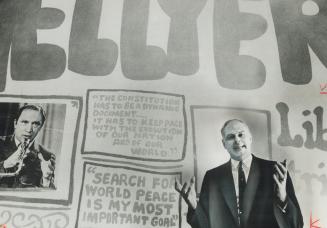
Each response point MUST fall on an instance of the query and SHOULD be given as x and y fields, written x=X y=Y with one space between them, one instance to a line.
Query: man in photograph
x=23 y=162
x=245 y=192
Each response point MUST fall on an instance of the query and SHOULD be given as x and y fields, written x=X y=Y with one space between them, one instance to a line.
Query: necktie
x=241 y=186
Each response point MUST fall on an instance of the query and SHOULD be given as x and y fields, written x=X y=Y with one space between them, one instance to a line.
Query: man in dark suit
x=23 y=163
x=245 y=192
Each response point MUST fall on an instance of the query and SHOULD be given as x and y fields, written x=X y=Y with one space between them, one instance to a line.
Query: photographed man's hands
x=187 y=191
x=47 y=168
x=14 y=159
x=280 y=177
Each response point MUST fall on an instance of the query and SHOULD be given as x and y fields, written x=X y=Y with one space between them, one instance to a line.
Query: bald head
x=229 y=122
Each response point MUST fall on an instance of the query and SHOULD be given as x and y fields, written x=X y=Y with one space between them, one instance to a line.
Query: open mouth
x=27 y=136
x=239 y=147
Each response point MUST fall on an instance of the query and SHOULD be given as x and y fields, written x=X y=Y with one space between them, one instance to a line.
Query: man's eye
x=240 y=135
x=229 y=137
x=36 y=124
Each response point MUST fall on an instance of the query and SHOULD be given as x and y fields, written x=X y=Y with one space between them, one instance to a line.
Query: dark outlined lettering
x=29 y=60
x=89 y=55
x=295 y=33
x=230 y=27
x=139 y=61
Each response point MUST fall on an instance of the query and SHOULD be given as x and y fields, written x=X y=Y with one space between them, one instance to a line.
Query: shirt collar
x=246 y=163
x=17 y=142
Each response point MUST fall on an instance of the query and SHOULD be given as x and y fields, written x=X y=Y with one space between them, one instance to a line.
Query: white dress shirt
x=246 y=165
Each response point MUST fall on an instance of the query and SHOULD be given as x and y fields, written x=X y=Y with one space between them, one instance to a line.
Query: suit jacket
x=217 y=206
x=31 y=173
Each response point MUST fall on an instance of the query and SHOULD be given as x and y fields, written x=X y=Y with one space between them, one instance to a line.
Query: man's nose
x=29 y=128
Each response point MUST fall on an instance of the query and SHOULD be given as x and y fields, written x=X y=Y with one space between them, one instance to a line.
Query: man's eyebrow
x=234 y=133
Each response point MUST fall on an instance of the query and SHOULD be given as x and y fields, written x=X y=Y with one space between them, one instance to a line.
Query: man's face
x=237 y=140
x=28 y=125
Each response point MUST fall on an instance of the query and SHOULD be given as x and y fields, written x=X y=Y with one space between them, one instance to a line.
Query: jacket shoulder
x=221 y=169
x=263 y=161
x=47 y=154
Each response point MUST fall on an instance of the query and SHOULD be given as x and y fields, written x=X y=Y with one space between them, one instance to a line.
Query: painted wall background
x=147 y=86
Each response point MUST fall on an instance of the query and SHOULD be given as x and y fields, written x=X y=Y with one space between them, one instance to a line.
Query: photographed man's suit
x=31 y=173
x=217 y=207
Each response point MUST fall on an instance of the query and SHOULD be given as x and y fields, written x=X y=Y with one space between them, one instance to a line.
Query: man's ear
x=223 y=143
x=15 y=123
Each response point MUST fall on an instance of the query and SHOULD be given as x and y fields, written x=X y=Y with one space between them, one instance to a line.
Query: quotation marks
x=313 y=222
x=74 y=104
x=91 y=170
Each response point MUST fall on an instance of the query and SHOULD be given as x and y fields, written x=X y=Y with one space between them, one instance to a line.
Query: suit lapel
x=228 y=190
x=251 y=188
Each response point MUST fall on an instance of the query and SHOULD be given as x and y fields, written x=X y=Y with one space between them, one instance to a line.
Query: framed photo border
x=67 y=201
